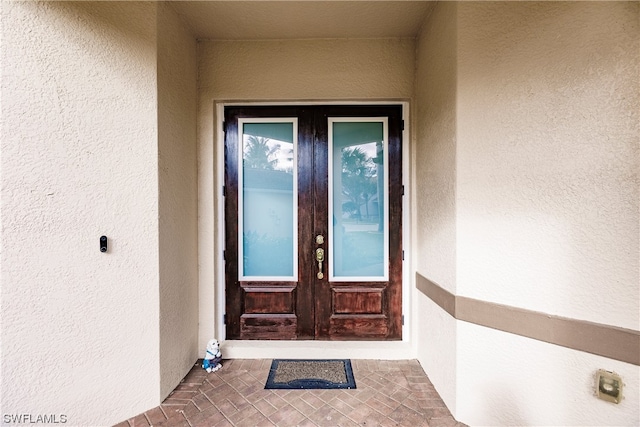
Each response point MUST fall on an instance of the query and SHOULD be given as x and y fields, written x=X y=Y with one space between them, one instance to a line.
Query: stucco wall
x=435 y=194
x=547 y=200
x=506 y=380
x=79 y=160
x=282 y=70
x=178 y=199
x=548 y=125
x=546 y=205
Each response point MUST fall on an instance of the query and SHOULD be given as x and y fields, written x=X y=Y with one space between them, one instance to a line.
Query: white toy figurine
x=212 y=357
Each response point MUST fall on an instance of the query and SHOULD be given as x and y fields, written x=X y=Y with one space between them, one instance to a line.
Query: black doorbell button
x=103 y=243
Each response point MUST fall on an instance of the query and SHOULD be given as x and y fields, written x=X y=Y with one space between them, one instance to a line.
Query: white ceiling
x=252 y=20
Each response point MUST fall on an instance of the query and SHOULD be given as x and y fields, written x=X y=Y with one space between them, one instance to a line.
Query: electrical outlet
x=609 y=386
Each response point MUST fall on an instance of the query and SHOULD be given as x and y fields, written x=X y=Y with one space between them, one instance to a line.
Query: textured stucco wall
x=435 y=147
x=282 y=70
x=79 y=160
x=178 y=199
x=548 y=125
x=507 y=380
x=546 y=202
x=434 y=192
x=547 y=199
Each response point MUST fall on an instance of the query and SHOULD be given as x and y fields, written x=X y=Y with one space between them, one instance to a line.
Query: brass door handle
x=320 y=258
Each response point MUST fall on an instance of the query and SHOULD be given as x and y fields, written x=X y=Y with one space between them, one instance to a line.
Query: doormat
x=310 y=374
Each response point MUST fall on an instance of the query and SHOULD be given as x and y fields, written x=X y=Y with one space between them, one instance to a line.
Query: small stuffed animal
x=212 y=357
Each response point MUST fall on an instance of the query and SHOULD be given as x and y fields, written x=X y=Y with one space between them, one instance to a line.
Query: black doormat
x=310 y=374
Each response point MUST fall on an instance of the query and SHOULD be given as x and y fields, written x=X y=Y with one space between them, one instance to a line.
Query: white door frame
x=252 y=349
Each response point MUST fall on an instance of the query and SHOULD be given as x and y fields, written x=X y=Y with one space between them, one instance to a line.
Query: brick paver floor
x=388 y=393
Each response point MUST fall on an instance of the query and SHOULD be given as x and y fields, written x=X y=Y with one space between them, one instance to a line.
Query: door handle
x=320 y=258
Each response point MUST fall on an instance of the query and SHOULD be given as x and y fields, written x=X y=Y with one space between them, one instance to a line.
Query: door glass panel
x=267 y=205
x=358 y=206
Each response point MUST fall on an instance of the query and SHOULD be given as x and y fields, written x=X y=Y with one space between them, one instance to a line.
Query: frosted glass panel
x=358 y=191
x=268 y=201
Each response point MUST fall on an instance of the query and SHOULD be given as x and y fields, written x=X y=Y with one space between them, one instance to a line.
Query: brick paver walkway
x=388 y=393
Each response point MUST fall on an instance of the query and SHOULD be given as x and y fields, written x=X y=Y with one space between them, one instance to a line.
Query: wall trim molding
x=595 y=338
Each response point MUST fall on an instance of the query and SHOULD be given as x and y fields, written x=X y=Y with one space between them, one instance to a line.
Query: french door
x=313 y=233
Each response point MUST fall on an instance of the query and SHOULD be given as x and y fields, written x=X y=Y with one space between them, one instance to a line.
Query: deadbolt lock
x=319 y=239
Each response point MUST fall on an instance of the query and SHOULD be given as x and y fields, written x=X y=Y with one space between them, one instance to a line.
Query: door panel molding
x=263 y=300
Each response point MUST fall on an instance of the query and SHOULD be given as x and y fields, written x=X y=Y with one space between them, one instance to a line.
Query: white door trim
x=251 y=349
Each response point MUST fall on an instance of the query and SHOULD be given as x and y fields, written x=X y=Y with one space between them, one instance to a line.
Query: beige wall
x=435 y=192
x=178 y=199
x=282 y=70
x=99 y=137
x=546 y=202
x=526 y=112
x=307 y=69
x=548 y=140
x=548 y=126
x=79 y=159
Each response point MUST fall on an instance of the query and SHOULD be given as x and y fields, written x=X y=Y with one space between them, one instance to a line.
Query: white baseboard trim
x=378 y=350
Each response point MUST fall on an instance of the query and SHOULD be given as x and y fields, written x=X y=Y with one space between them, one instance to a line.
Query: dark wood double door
x=313 y=212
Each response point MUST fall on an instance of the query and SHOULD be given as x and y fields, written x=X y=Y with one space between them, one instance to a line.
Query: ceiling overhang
x=273 y=20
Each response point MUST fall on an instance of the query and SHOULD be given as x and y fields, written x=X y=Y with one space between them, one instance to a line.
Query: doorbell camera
x=103 y=243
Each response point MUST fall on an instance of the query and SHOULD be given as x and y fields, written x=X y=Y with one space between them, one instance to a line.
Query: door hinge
x=402 y=191
x=224 y=255
x=224 y=191
x=224 y=318
x=403 y=125
x=224 y=126
x=402 y=255
x=403 y=319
